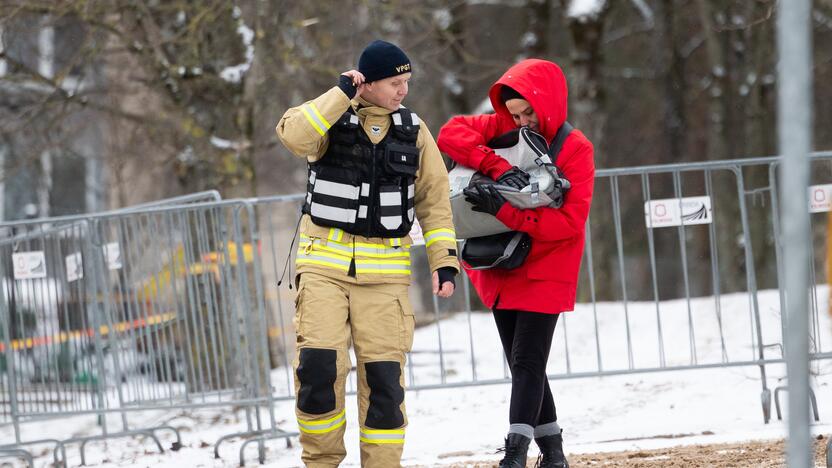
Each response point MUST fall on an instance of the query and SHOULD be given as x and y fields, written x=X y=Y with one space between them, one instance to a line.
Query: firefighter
x=373 y=166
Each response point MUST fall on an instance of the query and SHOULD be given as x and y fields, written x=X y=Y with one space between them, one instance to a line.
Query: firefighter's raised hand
x=352 y=83
x=445 y=275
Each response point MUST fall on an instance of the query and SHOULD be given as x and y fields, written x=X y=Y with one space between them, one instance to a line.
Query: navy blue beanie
x=382 y=60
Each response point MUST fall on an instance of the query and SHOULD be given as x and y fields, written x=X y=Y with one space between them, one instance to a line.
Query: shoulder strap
x=347 y=121
x=406 y=118
x=557 y=142
x=405 y=124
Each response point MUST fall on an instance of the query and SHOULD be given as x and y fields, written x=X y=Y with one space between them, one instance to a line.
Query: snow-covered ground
x=621 y=412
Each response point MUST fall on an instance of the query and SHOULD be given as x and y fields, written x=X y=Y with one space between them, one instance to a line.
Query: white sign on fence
x=29 y=265
x=678 y=211
x=74 y=267
x=820 y=198
x=112 y=255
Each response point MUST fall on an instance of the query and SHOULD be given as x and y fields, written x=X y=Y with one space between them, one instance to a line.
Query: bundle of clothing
x=526 y=150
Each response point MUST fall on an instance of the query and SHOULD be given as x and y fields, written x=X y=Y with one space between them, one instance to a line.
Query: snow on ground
x=620 y=412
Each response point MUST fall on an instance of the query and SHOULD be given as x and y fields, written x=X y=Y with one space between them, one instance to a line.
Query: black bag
x=507 y=250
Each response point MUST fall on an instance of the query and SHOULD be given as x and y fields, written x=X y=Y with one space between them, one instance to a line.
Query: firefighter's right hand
x=447 y=288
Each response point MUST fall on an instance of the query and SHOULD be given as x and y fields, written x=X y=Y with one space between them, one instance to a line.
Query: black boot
x=516 y=449
x=551 y=452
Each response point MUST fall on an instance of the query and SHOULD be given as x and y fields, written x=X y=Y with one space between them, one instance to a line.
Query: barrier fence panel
x=48 y=366
x=156 y=308
x=684 y=276
x=277 y=217
x=680 y=254
x=674 y=263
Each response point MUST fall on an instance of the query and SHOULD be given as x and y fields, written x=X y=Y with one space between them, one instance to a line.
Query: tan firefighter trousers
x=379 y=321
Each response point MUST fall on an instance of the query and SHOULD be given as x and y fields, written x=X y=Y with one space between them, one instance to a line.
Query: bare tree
x=183 y=95
x=587 y=28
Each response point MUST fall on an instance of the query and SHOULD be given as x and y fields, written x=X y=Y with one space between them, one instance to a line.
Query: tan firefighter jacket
x=330 y=251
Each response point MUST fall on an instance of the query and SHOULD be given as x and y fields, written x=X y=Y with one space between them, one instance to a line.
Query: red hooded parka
x=547 y=281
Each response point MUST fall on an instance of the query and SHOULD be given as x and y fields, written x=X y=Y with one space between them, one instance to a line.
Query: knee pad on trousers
x=386 y=395
x=317 y=372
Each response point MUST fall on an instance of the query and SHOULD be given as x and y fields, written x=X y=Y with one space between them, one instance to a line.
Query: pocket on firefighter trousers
x=408 y=322
x=297 y=321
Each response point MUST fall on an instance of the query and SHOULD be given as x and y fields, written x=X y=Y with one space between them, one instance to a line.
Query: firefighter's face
x=389 y=92
x=522 y=113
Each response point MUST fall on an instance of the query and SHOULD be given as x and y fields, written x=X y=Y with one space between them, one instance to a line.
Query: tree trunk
x=535 y=41
x=587 y=106
x=587 y=113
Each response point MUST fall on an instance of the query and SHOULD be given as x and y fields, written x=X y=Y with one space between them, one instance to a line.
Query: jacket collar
x=365 y=108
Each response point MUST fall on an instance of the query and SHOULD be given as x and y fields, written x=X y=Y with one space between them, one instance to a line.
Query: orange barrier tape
x=62 y=337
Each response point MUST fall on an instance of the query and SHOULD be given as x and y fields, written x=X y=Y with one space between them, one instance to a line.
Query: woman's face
x=522 y=113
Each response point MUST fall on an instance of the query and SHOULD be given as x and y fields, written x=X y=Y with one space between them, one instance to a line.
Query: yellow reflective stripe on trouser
x=382 y=436
x=321 y=427
x=315 y=118
x=437 y=235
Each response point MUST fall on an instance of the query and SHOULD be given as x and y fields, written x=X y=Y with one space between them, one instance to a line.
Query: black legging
x=527 y=338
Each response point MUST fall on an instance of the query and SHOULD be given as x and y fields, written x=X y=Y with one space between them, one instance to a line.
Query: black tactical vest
x=362 y=188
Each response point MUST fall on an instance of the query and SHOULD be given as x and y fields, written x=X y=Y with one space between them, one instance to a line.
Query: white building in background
x=49 y=161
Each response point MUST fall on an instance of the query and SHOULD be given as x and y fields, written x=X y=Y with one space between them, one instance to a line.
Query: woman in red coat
x=526 y=301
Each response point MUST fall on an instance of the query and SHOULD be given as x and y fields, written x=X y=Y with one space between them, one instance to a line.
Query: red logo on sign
x=660 y=210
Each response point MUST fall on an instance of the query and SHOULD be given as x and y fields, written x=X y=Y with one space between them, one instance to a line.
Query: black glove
x=485 y=198
x=345 y=83
x=514 y=177
x=446 y=274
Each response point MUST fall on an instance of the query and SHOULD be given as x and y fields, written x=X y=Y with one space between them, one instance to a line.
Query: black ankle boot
x=516 y=449
x=551 y=452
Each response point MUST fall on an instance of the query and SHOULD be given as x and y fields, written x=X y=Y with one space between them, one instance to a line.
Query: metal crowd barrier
x=15 y=228
x=624 y=286
x=141 y=309
x=715 y=289
x=742 y=206
x=197 y=289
